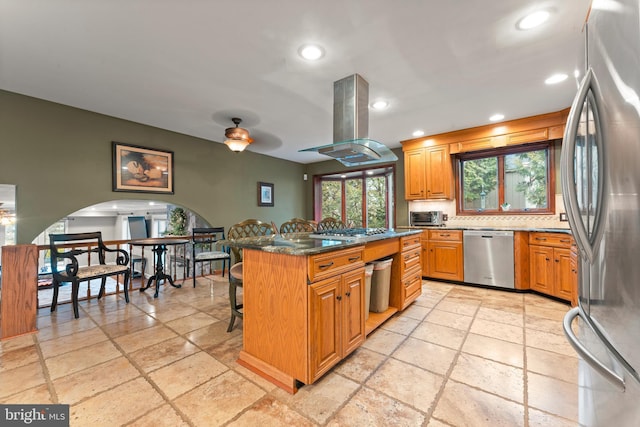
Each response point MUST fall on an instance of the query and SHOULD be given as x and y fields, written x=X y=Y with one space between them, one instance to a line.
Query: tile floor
x=458 y=356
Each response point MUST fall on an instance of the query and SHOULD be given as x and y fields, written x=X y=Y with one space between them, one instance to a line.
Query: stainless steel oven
x=427 y=219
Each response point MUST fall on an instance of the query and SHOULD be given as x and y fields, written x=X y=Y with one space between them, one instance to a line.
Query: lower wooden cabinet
x=336 y=323
x=444 y=255
x=553 y=268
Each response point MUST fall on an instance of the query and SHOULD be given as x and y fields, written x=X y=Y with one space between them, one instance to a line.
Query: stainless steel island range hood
x=351 y=144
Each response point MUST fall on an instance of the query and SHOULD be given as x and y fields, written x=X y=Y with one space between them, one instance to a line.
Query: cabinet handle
x=542 y=239
x=348 y=294
x=354 y=259
x=565 y=241
x=546 y=259
x=339 y=297
x=557 y=260
x=322 y=267
x=445 y=235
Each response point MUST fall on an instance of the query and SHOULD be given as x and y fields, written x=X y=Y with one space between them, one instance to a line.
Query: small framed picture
x=265 y=194
x=140 y=169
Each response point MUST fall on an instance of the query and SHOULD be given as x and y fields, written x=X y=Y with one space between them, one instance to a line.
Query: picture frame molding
x=265 y=194
x=126 y=182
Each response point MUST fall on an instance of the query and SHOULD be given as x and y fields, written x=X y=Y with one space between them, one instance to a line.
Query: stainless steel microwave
x=427 y=218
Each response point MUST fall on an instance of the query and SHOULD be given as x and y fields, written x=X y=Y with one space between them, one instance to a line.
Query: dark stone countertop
x=490 y=228
x=302 y=244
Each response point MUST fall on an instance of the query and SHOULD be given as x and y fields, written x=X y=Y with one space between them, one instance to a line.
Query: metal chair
x=297 y=225
x=204 y=248
x=248 y=228
x=330 y=223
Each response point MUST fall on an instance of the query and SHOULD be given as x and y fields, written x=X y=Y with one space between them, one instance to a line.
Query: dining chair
x=203 y=241
x=248 y=228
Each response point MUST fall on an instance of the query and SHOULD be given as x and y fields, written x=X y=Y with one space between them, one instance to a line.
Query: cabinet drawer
x=452 y=235
x=409 y=260
x=411 y=284
x=408 y=242
x=326 y=265
x=551 y=239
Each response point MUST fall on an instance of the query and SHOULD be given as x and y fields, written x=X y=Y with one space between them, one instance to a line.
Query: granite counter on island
x=304 y=300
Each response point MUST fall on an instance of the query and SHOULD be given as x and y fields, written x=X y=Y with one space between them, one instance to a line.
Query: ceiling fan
x=237 y=138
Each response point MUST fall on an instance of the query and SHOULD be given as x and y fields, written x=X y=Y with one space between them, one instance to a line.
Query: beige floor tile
x=371 y=408
x=495 y=349
x=464 y=306
x=493 y=377
x=164 y=416
x=214 y=333
x=15 y=343
x=406 y=383
x=175 y=312
x=464 y=406
x=500 y=316
x=552 y=364
x=550 y=342
x=383 y=341
x=541 y=419
x=552 y=395
x=144 y=338
x=117 y=406
x=185 y=374
x=270 y=412
x=96 y=379
x=438 y=334
x=415 y=311
x=37 y=395
x=219 y=400
x=130 y=325
x=426 y=355
x=191 y=322
x=452 y=320
x=227 y=351
x=86 y=357
x=72 y=342
x=57 y=330
x=20 y=379
x=320 y=400
x=19 y=357
x=544 y=324
x=497 y=330
x=158 y=355
x=360 y=364
x=435 y=423
x=556 y=314
x=400 y=325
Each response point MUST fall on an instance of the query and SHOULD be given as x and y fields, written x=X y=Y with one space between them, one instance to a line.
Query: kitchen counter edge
x=490 y=228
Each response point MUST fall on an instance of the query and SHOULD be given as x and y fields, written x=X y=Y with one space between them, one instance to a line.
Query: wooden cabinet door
x=445 y=260
x=324 y=326
x=562 y=273
x=573 y=263
x=425 y=257
x=438 y=180
x=541 y=271
x=414 y=174
x=352 y=302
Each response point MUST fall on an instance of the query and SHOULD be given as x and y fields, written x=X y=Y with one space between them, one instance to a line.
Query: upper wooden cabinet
x=428 y=173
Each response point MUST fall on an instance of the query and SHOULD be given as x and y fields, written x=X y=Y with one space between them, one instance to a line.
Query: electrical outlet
x=563 y=216
x=445 y=217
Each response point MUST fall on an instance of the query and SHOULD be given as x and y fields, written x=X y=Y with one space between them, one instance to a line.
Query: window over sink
x=514 y=180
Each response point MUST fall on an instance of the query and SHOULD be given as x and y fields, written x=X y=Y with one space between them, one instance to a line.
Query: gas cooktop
x=349 y=233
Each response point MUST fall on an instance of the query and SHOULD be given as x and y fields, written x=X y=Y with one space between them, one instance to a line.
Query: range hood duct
x=351 y=144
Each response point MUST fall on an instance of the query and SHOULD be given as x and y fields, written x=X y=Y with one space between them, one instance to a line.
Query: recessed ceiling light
x=532 y=20
x=311 y=52
x=418 y=133
x=556 y=78
x=380 y=105
x=496 y=117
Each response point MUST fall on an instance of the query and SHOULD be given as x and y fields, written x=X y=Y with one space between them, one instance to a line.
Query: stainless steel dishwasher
x=488 y=258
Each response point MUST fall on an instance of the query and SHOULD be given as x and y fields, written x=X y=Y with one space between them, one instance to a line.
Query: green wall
x=59 y=158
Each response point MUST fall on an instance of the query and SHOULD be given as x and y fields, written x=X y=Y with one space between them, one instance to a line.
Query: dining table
x=159 y=246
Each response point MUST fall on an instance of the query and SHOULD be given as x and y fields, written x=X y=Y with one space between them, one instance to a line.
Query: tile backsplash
x=516 y=221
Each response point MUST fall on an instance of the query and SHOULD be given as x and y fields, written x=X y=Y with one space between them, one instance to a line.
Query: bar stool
x=248 y=228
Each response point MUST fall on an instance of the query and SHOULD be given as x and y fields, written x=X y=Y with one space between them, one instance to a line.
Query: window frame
x=388 y=171
x=500 y=153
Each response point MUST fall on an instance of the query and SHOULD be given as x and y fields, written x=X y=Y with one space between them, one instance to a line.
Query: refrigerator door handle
x=582 y=351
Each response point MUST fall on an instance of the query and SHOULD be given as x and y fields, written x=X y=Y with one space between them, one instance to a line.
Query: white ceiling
x=191 y=65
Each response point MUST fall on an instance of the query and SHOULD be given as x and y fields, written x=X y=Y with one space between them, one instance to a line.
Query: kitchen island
x=304 y=300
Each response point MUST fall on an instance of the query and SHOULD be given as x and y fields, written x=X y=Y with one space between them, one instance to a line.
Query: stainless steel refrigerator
x=600 y=170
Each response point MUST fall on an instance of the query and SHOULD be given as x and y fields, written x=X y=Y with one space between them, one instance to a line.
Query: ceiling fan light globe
x=236 y=145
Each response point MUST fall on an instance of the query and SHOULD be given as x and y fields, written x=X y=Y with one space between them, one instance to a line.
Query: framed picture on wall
x=265 y=194
x=140 y=169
